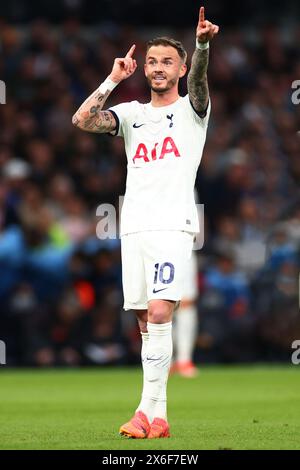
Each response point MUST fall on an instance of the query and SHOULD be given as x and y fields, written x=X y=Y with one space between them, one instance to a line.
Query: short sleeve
x=202 y=118
x=121 y=113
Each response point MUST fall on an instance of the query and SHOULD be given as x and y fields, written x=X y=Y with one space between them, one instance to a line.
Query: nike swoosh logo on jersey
x=158 y=290
x=137 y=126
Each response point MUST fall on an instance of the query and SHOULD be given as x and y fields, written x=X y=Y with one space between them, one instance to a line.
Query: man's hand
x=90 y=117
x=197 y=77
x=124 y=67
x=205 y=29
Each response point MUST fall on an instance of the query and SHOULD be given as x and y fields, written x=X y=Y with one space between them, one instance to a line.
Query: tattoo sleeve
x=197 y=80
x=90 y=116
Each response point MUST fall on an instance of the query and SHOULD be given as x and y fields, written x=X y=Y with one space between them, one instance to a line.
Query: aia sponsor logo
x=168 y=147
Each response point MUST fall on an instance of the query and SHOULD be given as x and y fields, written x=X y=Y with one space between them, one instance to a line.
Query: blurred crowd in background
x=60 y=285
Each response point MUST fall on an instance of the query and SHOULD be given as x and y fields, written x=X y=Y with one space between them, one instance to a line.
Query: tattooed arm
x=197 y=78
x=90 y=116
x=197 y=81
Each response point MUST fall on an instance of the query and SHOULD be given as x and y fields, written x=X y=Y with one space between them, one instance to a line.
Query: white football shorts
x=154 y=265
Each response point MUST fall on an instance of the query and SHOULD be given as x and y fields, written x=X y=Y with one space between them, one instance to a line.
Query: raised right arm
x=90 y=117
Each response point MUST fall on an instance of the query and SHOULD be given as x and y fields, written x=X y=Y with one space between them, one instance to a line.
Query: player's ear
x=183 y=70
x=145 y=69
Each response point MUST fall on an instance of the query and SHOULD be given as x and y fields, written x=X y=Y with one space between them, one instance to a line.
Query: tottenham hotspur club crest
x=170 y=117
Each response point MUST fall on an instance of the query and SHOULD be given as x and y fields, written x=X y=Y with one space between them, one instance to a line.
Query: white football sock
x=145 y=341
x=185 y=333
x=174 y=337
x=156 y=366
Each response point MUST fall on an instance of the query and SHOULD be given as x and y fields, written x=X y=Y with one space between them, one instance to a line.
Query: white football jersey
x=164 y=147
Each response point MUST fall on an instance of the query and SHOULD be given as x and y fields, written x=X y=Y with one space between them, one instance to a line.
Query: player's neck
x=164 y=99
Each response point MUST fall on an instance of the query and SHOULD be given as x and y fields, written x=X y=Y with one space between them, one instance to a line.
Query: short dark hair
x=166 y=41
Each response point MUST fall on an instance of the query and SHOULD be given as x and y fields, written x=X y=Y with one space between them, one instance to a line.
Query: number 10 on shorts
x=164 y=272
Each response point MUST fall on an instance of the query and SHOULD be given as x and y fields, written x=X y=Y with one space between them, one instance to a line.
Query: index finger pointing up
x=130 y=52
x=201 y=15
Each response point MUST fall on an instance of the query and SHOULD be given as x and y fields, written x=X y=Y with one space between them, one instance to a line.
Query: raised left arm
x=197 y=77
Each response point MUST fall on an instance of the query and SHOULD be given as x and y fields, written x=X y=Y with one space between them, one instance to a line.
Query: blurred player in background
x=164 y=141
x=185 y=327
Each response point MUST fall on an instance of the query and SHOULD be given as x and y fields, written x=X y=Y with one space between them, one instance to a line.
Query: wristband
x=202 y=45
x=107 y=85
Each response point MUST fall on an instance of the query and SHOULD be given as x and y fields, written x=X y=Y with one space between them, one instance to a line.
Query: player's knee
x=158 y=317
x=160 y=312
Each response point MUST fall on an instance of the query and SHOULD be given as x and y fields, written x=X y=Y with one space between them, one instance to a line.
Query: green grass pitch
x=224 y=408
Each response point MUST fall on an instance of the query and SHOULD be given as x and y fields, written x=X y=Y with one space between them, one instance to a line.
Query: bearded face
x=163 y=68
